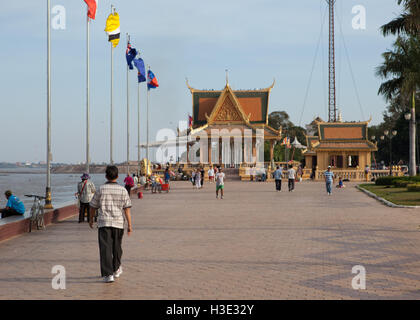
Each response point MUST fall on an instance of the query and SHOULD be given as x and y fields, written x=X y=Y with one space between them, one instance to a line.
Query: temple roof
x=362 y=146
x=252 y=103
x=343 y=130
x=232 y=108
x=311 y=141
x=340 y=136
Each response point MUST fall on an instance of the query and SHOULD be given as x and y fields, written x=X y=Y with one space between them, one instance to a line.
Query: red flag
x=92 y=6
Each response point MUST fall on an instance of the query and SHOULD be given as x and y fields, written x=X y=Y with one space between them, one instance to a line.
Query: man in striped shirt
x=113 y=203
x=329 y=179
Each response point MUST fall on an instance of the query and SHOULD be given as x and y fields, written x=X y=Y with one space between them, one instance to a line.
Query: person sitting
x=14 y=206
x=340 y=183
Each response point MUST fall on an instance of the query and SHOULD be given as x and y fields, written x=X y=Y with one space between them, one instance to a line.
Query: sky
x=257 y=41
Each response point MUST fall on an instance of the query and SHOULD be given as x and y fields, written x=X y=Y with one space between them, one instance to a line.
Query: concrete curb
x=385 y=202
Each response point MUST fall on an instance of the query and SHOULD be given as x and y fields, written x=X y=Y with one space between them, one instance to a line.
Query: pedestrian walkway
x=254 y=244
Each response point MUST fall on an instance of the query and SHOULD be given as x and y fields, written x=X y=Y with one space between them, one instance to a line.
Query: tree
x=407 y=22
x=281 y=119
x=401 y=70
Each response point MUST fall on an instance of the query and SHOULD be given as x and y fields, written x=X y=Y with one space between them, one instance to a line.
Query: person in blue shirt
x=167 y=176
x=277 y=175
x=329 y=179
x=13 y=207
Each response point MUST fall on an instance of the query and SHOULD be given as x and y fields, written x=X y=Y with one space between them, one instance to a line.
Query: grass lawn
x=398 y=196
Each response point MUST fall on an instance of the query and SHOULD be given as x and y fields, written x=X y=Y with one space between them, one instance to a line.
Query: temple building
x=342 y=145
x=229 y=127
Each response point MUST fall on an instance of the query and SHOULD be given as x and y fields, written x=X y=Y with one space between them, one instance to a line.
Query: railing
x=396 y=172
x=352 y=175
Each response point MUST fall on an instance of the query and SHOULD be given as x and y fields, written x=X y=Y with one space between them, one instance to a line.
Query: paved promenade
x=254 y=244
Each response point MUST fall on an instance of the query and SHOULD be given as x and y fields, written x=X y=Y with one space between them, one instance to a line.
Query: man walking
x=129 y=183
x=113 y=203
x=85 y=191
x=329 y=180
x=277 y=175
x=220 y=183
x=291 y=173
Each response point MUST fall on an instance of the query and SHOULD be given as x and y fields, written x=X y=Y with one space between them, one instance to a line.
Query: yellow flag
x=113 y=28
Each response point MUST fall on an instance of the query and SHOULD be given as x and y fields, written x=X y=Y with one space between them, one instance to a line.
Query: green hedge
x=400 y=183
x=397 y=181
x=413 y=187
x=385 y=181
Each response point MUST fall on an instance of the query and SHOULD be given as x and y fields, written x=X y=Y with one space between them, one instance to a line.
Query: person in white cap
x=85 y=191
x=329 y=179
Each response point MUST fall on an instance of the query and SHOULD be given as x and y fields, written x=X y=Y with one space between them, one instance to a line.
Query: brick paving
x=254 y=244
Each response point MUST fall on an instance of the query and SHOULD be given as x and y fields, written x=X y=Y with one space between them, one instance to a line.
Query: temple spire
x=227 y=77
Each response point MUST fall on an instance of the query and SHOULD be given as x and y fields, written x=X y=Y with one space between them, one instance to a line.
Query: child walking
x=113 y=203
x=220 y=183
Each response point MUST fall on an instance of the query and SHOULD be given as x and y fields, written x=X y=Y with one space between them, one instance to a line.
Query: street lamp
x=373 y=138
x=411 y=117
x=389 y=135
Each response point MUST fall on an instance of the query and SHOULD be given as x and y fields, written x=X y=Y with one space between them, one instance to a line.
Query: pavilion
x=342 y=145
x=229 y=127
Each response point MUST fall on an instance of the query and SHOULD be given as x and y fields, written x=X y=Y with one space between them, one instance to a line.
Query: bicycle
x=37 y=212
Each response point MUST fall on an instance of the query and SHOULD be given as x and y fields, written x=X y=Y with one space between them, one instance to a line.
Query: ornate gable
x=227 y=112
x=227 y=109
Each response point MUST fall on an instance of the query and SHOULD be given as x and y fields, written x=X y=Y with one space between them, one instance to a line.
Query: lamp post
x=389 y=135
x=412 y=129
x=373 y=138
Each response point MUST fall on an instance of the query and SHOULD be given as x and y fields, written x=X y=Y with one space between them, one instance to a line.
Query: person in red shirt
x=129 y=183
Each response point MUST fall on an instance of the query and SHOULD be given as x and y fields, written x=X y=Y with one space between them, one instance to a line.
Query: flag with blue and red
x=130 y=54
x=152 y=81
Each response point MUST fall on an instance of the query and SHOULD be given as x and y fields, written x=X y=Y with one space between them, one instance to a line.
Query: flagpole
x=128 y=117
x=87 y=94
x=138 y=124
x=147 y=121
x=48 y=201
x=112 y=97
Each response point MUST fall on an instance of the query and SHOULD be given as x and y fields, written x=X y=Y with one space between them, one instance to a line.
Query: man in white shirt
x=220 y=183
x=291 y=173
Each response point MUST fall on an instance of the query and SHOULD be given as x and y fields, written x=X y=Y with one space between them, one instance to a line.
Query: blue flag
x=152 y=82
x=130 y=54
x=141 y=75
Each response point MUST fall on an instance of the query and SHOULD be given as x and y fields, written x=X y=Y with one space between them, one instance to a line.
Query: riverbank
x=93 y=169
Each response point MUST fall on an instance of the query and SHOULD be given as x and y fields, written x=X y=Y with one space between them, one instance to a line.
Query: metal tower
x=332 y=107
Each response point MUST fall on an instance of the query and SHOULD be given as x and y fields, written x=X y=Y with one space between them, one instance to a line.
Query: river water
x=23 y=181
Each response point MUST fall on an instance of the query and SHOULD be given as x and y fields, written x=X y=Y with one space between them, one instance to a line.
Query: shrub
x=414 y=187
x=400 y=183
x=385 y=181
x=392 y=181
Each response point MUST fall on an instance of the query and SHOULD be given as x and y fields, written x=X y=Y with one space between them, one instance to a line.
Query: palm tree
x=401 y=70
x=408 y=22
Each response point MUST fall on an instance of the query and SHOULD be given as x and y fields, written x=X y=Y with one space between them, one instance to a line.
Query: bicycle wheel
x=40 y=218
x=32 y=217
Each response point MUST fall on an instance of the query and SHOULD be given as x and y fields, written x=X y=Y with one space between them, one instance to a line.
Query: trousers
x=110 y=249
